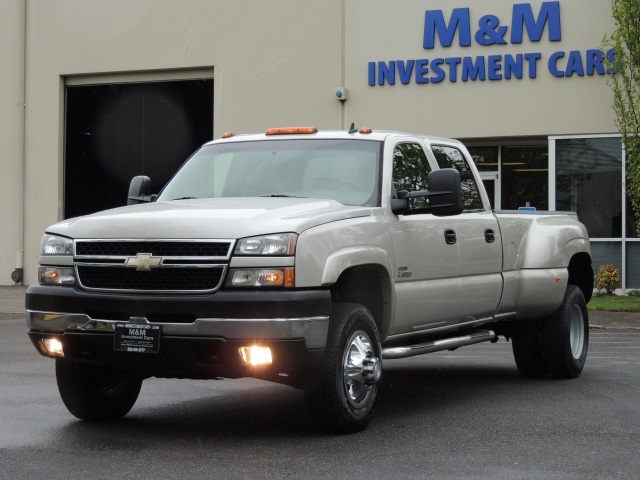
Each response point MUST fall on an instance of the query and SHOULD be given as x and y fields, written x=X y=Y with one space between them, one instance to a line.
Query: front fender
x=339 y=261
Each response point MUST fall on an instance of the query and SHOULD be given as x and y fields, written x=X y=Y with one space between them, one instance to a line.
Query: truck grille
x=160 y=266
x=159 y=279
x=161 y=249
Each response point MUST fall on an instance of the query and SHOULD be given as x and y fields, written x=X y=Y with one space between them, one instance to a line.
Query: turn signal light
x=255 y=355
x=292 y=131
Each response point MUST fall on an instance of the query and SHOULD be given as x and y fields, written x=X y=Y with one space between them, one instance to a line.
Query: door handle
x=450 y=236
x=489 y=235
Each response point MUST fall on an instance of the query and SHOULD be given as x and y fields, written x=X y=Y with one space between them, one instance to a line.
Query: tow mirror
x=139 y=189
x=445 y=192
x=401 y=202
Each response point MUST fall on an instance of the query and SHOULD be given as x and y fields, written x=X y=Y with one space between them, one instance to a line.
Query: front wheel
x=93 y=392
x=343 y=394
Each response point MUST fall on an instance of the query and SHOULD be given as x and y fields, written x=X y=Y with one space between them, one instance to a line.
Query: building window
x=525 y=177
x=588 y=181
x=514 y=174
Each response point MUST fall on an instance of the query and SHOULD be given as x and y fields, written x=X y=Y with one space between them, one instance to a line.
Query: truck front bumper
x=200 y=333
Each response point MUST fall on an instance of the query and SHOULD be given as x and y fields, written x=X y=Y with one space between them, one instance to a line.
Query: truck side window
x=450 y=157
x=410 y=170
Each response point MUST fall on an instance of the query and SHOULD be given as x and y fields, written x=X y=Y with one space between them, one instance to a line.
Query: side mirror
x=139 y=190
x=445 y=192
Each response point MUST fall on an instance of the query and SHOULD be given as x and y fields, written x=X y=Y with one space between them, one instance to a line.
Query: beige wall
x=542 y=106
x=11 y=135
x=274 y=63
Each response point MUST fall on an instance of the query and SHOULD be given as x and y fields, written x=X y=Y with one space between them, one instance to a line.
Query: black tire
x=565 y=336
x=526 y=343
x=92 y=392
x=340 y=401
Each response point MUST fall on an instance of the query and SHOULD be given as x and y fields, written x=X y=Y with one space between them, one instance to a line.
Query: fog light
x=255 y=355
x=53 y=347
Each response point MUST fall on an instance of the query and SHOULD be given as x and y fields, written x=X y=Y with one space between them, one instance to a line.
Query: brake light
x=292 y=131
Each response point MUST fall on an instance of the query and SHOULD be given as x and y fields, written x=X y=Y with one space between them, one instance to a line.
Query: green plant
x=608 y=279
x=624 y=81
x=634 y=293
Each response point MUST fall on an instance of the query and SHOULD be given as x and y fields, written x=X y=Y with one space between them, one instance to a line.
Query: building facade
x=94 y=93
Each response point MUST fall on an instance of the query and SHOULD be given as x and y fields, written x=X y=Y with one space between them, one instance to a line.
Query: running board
x=438 y=345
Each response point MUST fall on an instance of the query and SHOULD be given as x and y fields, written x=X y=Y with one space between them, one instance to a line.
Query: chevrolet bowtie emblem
x=143 y=262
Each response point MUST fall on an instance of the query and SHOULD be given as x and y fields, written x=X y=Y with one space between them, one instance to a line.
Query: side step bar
x=438 y=345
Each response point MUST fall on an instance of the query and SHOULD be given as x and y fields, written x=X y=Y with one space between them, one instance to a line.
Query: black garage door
x=114 y=132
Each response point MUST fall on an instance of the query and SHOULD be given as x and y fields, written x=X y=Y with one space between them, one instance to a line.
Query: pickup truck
x=306 y=258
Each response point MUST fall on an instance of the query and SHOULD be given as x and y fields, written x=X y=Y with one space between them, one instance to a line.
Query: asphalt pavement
x=12 y=303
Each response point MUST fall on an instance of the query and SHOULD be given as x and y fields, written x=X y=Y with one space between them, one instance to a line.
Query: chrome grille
x=152 y=266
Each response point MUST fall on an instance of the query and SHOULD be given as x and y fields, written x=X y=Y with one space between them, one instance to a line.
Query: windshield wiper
x=281 y=195
x=184 y=198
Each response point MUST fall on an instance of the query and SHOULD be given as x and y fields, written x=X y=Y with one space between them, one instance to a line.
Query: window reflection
x=588 y=179
x=449 y=157
x=410 y=172
x=525 y=177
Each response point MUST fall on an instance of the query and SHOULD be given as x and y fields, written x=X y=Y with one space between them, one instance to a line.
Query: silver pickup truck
x=306 y=258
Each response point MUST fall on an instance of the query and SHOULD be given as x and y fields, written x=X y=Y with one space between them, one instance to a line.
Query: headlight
x=55 y=245
x=56 y=276
x=261 y=277
x=278 y=244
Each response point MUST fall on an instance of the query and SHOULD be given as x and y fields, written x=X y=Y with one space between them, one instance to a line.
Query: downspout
x=18 y=274
x=342 y=60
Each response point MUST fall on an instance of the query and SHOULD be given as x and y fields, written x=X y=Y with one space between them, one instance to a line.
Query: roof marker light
x=365 y=130
x=226 y=135
x=292 y=131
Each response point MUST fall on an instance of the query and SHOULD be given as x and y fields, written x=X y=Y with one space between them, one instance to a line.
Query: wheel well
x=581 y=274
x=368 y=285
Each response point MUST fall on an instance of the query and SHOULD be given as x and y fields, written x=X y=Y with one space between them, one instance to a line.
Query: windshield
x=342 y=170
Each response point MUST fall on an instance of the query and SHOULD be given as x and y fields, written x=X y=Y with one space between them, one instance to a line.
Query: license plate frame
x=137 y=338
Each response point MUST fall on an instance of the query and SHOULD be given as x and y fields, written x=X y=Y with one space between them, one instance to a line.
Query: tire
x=343 y=391
x=565 y=336
x=526 y=343
x=92 y=392
x=556 y=345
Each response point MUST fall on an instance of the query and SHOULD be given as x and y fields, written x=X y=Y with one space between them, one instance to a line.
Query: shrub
x=608 y=279
x=634 y=293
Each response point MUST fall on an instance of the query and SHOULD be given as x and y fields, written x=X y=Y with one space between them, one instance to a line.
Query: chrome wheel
x=576 y=331
x=361 y=369
x=343 y=393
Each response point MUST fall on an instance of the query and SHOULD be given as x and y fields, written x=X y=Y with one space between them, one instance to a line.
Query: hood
x=208 y=218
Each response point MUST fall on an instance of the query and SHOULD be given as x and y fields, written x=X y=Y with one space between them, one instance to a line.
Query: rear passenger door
x=479 y=241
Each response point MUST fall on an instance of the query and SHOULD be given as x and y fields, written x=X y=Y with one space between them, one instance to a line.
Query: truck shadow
x=250 y=410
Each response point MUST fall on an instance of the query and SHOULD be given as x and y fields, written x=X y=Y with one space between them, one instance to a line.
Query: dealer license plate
x=132 y=337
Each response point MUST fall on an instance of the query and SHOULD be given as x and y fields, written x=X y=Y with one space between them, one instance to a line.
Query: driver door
x=426 y=262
